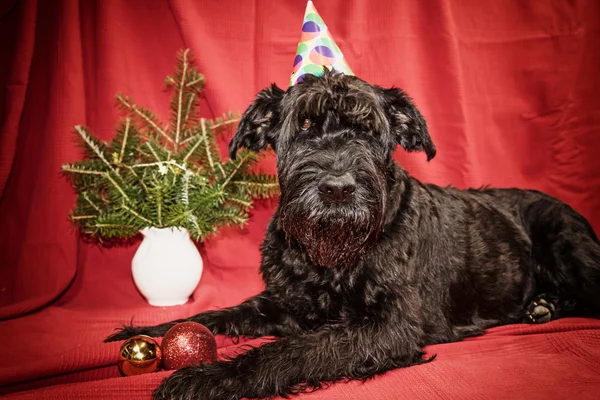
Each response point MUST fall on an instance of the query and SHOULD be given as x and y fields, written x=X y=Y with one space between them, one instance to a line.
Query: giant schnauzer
x=365 y=265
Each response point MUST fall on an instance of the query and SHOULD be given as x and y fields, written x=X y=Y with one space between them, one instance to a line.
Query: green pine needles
x=157 y=175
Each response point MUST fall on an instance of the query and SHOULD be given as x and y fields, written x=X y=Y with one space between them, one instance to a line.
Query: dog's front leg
x=296 y=363
x=258 y=316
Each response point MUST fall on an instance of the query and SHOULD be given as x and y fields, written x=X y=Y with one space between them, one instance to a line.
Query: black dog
x=364 y=265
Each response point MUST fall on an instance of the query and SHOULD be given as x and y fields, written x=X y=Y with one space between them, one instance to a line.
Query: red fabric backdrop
x=509 y=88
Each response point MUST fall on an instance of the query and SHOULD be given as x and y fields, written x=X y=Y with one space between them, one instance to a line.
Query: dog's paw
x=183 y=384
x=128 y=331
x=123 y=333
x=542 y=309
x=205 y=382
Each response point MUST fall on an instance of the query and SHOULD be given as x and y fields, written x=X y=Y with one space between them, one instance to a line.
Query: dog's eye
x=306 y=124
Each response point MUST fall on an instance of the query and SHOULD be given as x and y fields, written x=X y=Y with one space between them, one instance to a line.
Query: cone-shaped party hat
x=316 y=49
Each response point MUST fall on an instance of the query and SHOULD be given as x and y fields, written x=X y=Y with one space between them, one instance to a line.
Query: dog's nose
x=337 y=188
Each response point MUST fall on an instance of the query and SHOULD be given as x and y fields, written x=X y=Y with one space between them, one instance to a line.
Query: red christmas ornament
x=188 y=343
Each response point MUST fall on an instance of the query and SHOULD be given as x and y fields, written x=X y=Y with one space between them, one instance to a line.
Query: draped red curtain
x=509 y=89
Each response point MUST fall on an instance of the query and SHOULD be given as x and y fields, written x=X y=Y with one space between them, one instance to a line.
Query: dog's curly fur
x=358 y=288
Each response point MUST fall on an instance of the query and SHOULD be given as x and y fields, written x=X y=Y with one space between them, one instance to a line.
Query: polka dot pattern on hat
x=316 y=49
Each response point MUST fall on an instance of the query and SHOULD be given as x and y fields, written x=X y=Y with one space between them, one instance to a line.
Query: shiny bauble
x=139 y=355
x=188 y=343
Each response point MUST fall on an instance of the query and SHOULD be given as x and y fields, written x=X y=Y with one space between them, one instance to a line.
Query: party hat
x=316 y=49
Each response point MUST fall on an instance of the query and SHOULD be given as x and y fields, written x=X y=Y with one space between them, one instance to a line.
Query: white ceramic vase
x=167 y=266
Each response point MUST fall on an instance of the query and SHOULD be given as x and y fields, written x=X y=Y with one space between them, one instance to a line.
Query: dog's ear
x=255 y=128
x=407 y=124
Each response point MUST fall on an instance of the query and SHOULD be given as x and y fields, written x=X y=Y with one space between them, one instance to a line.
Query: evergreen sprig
x=153 y=174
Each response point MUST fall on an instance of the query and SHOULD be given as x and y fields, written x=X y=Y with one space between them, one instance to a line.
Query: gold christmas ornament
x=139 y=355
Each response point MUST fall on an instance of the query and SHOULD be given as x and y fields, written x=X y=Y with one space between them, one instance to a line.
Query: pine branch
x=223 y=124
x=140 y=180
x=241 y=199
x=155 y=150
x=196 y=83
x=206 y=144
x=258 y=185
x=88 y=152
x=76 y=217
x=83 y=175
x=186 y=84
x=147 y=119
x=160 y=164
x=116 y=185
x=230 y=215
x=198 y=232
x=125 y=137
x=87 y=198
x=180 y=102
x=93 y=143
x=206 y=199
x=80 y=169
x=190 y=117
x=111 y=227
x=136 y=214
x=240 y=162
x=192 y=147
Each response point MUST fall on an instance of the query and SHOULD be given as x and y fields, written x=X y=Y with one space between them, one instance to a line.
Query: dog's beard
x=332 y=236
